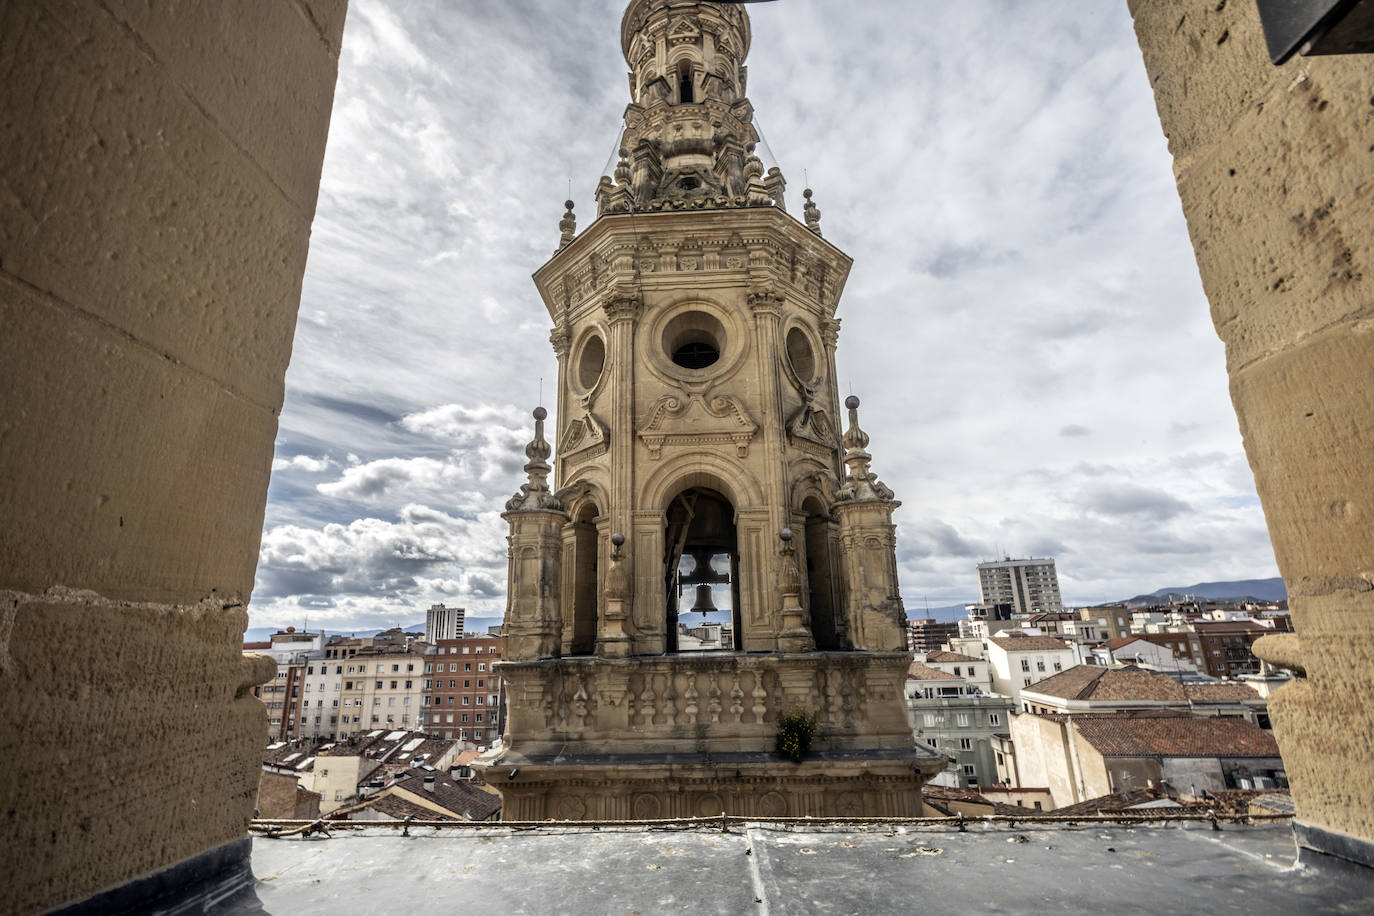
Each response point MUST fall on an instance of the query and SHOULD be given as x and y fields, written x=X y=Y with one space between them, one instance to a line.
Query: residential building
x=320 y=696
x=1089 y=688
x=1080 y=757
x=382 y=688
x=1030 y=586
x=1139 y=650
x=461 y=694
x=368 y=762
x=1226 y=646
x=977 y=672
x=443 y=623
x=928 y=635
x=1019 y=660
x=951 y=717
x=282 y=695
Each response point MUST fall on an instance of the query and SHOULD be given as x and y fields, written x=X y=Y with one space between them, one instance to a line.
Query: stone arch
x=698 y=469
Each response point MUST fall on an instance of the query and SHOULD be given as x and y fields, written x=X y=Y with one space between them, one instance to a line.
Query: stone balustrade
x=710 y=702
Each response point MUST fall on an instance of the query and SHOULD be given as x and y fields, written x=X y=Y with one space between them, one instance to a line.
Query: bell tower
x=700 y=469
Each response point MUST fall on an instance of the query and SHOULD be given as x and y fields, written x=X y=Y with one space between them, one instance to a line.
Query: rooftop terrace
x=1087 y=867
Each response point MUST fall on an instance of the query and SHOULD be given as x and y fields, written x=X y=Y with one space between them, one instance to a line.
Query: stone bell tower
x=699 y=459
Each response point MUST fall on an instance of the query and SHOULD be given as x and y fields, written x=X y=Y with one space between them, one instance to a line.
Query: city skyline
x=1024 y=322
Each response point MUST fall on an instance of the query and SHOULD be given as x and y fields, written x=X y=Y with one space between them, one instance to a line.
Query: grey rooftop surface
x=763 y=869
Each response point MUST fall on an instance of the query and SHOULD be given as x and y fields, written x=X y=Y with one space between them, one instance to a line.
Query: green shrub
x=796 y=728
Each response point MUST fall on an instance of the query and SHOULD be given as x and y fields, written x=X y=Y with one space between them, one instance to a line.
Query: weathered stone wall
x=1275 y=167
x=159 y=164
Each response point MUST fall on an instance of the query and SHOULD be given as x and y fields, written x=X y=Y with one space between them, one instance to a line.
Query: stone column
x=622 y=309
x=1273 y=168
x=612 y=640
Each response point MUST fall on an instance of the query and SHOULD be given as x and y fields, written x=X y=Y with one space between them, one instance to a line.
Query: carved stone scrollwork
x=697 y=421
x=622 y=307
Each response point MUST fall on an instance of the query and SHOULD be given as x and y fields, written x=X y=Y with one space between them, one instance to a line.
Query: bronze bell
x=704 y=603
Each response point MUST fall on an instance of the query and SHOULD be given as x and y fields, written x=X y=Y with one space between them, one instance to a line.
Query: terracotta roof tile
x=1029 y=643
x=943 y=656
x=921 y=672
x=1171 y=734
x=1218 y=693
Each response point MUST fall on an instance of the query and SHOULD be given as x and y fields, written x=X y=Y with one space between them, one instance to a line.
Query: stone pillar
x=161 y=164
x=1273 y=168
x=533 y=626
x=795 y=636
x=873 y=612
x=612 y=640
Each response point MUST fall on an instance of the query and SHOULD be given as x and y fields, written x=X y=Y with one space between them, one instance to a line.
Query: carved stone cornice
x=698 y=421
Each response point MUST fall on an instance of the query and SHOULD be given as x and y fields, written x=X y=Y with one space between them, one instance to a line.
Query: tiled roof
x=942 y=656
x=1089 y=682
x=253 y=646
x=1219 y=693
x=921 y=672
x=1118 y=801
x=1029 y=643
x=1171 y=734
x=464 y=799
x=1120 y=641
x=466 y=757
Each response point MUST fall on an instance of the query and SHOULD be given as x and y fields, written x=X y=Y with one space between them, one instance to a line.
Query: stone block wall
x=159 y=165
x=1275 y=169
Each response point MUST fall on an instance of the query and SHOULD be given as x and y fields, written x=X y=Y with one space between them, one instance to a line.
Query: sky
x=1024 y=321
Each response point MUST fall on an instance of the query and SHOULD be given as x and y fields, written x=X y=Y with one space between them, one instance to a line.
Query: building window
x=1039 y=665
x=1001 y=761
x=481 y=666
x=1026 y=682
x=965 y=744
x=968 y=769
x=1025 y=665
x=931 y=742
x=961 y=719
x=956 y=671
x=467 y=666
x=379 y=685
x=994 y=719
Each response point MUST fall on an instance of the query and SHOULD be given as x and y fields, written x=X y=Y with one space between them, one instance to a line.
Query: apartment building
x=1030 y=586
x=461 y=694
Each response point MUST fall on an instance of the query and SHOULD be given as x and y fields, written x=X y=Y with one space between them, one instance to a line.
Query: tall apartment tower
x=1030 y=586
x=699 y=463
x=443 y=623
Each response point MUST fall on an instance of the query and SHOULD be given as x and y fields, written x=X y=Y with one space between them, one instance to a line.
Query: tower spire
x=689 y=128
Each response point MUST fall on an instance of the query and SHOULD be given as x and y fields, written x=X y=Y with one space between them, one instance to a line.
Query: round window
x=800 y=355
x=693 y=340
x=590 y=362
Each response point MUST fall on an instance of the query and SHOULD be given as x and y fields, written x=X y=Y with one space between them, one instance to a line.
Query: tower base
x=883 y=782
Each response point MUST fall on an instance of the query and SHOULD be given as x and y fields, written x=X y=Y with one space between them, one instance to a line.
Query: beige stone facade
x=699 y=420
x=1273 y=167
x=161 y=163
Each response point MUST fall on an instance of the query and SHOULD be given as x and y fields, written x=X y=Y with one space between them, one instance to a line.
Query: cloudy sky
x=1024 y=321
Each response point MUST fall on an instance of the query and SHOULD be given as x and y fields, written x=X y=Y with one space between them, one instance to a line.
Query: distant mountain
x=1239 y=591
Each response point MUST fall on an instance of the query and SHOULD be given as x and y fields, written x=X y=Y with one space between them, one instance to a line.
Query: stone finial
x=812 y=213
x=567 y=226
x=795 y=637
x=534 y=493
x=861 y=483
x=756 y=194
x=622 y=168
x=617 y=581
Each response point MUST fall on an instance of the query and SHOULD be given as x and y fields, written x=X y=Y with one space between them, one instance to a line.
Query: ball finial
x=540 y=413
x=568 y=204
x=851 y=402
x=624 y=153
x=785 y=534
x=750 y=146
x=807 y=193
x=618 y=539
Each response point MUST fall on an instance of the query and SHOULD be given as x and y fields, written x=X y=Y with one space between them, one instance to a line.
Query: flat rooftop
x=764 y=868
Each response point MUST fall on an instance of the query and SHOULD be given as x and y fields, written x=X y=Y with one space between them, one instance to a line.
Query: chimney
x=429 y=783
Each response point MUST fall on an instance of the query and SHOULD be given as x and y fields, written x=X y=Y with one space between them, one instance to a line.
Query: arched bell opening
x=822 y=576
x=585 y=575
x=701 y=568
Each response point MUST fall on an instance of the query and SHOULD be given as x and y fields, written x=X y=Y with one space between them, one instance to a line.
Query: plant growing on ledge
x=796 y=728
